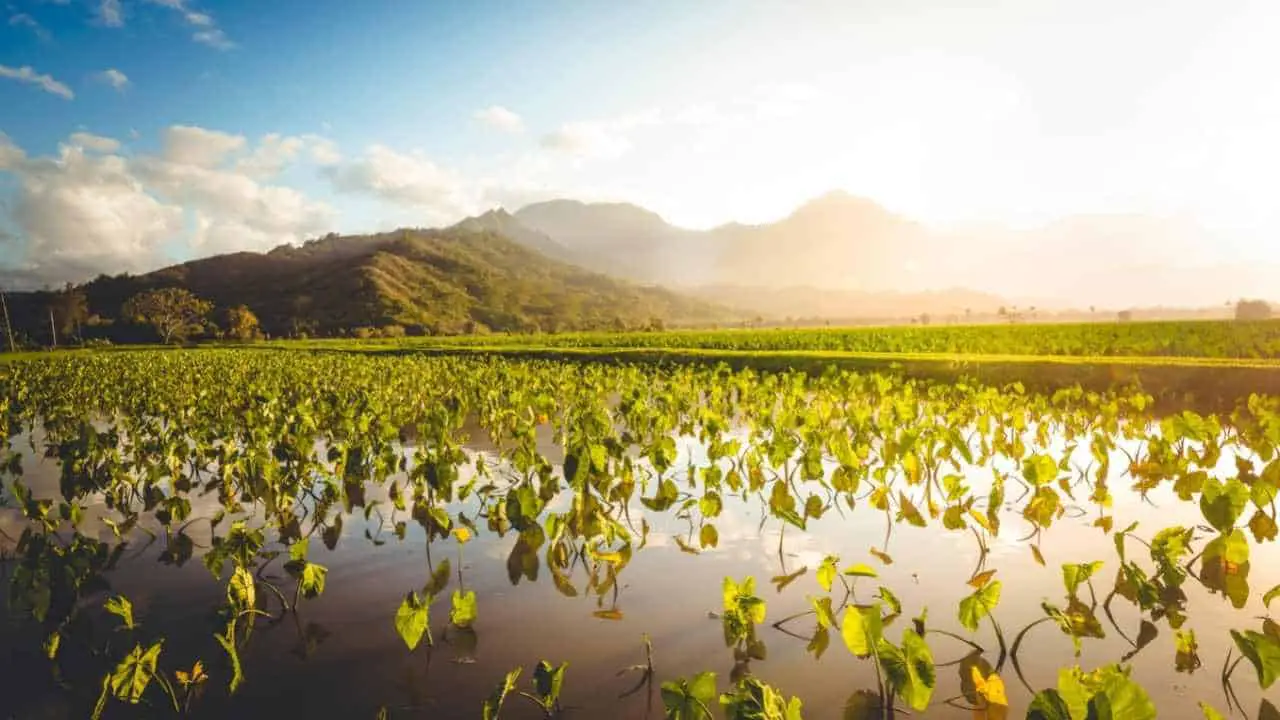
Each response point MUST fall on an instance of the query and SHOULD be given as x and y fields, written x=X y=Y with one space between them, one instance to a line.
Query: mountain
x=620 y=239
x=839 y=244
x=835 y=241
x=460 y=279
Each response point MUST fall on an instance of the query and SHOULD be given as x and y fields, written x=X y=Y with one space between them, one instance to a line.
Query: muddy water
x=340 y=655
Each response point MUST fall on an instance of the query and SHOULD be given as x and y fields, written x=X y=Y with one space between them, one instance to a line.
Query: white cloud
x=322 y=150
x=208 y=34
x=214 y=38
x=109 y=13
x=599 y=139
x=500 y=118
x=405 y=179
x=114 y=78
x=190 y=145
x=273 y=153
x=26 y=74
x=25 y=20
x=81 y=214
x=97 y=143
x=88 y=209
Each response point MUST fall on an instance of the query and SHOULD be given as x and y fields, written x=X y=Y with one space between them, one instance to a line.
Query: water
x=340 y=655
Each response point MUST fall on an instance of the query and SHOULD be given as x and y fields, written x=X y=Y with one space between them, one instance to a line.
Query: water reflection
x=339 y=655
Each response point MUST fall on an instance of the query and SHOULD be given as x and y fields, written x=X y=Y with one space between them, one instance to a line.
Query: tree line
x=168 y=315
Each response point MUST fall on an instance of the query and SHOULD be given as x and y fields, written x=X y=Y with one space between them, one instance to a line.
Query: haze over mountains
x=840 y=244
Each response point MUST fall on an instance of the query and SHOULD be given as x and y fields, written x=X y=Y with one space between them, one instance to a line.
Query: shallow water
x=340 y=655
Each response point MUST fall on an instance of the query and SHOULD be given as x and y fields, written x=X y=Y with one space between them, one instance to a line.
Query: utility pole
x=53 y=329
x=8 y=328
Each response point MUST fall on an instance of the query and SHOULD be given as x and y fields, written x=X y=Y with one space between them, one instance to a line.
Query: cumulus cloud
x=191 y=145
x=26 y=74
x=114 y=78
x=408 y=179
x=96 y=143
x=88 y=209
x=110 y=13
x=500 y=118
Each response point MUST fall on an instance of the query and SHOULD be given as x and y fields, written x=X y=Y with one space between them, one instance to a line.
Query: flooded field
x=266 y=534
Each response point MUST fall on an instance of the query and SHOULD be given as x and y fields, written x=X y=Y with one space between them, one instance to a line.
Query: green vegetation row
x=294 y=446
x=1196 y=339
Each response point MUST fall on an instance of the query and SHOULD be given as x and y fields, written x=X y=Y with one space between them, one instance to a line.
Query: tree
x=241 y=323
x=175 y=313
x=70 y=310
x=1253 y=310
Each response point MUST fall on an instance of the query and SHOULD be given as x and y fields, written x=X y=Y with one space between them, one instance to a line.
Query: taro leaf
x=1221 y=503
x=908 y=511
x=463 y=611
x=122 y=608
x=710 y=505
x=782 y=581
x=981 y=579
x=607 y=614
x=493 y=704
x=891 y=600
x=241 y=591
x=1272 y=594
x=972 y=666
x=995 y=703
x=1073 y=575
x=312 y=580
x=754 y=700
x=709 y=537
x=690 y=699
x=1224 y=566
x=862 y=629
x=861 y=570
x=827 y=572
x=909 y=670
x=1048 y=705
x=1039 y=469
x=412 y=620
x=1262 y=527
x=1078 y=621
x=863 y=705
x=822 y=606
x=819 y=643
x=132 y=676
x=1186 y=656
x=977 y=606
x=1210 y=713
x=1124 y=697
x=882 y=556
x=439 y=579
x=1267 y=711
x=1261 y=650
x=548 y=680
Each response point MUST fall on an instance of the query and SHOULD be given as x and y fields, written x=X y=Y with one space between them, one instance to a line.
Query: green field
x=1193 y=339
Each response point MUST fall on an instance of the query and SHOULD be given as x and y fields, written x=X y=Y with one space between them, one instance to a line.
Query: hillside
x=462 y=279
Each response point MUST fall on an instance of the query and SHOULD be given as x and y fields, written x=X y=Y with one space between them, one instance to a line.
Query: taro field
x=281 y=533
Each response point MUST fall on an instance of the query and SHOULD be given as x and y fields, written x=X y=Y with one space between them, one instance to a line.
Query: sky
x=134 y=133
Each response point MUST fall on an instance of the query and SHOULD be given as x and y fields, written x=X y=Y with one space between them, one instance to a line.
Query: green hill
x=463 y=279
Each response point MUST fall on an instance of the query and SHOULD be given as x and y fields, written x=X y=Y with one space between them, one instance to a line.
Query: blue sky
x=134 y=132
